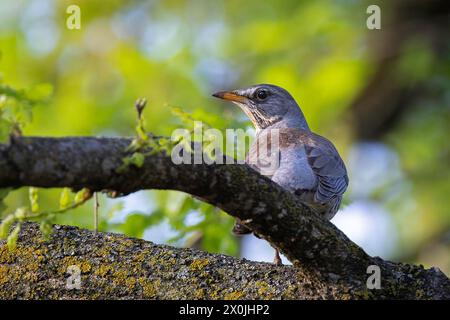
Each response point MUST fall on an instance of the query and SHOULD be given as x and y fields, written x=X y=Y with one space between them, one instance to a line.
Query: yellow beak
x=230 y=96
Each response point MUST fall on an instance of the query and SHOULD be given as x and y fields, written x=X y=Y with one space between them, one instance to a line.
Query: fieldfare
x=308 y=164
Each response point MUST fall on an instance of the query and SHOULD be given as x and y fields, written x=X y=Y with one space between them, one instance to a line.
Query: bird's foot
x=277 y=259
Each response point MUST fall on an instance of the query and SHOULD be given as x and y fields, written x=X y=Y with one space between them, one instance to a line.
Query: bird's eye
x=262 y=94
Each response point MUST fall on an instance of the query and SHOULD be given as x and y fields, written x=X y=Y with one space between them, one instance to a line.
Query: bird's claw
x=277 y=259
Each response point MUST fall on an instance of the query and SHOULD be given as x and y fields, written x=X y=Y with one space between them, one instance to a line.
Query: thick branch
x=322 y=254
x=113 y=266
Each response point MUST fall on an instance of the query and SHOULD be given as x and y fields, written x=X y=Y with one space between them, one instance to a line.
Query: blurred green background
x=382 y=96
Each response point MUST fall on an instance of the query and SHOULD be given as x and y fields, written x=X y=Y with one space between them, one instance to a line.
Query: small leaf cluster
x=16 y=107
x=33 y=213
x=144 y=144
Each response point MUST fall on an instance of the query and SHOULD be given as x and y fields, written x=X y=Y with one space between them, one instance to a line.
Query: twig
x=96 y=205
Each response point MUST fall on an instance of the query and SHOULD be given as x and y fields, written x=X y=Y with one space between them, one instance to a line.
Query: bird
x=308 y=165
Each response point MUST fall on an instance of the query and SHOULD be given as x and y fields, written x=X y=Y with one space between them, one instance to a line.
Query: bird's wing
x=322 y=157
x=328 y=166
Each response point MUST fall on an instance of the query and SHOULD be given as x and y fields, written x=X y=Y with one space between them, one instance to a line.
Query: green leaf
x=6 y=225
x=64 y=199
x=21 y=213
x=12 y=238
x=12 y=93
x=34 y=199
x=137 y=159
x=83 y=195
x=141 y=131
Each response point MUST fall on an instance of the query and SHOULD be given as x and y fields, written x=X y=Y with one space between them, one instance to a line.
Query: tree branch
x=113 y=266
x=322 y=255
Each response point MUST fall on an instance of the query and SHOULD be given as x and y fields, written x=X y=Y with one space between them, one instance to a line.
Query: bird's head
x=264 y=104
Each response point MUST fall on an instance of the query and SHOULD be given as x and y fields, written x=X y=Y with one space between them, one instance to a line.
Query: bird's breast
x=285 y=164
x=294 y=171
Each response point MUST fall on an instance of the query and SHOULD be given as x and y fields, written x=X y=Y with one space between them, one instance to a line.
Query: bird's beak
x=230 y=96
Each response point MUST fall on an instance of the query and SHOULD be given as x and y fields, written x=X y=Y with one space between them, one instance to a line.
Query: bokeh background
x=382 y=96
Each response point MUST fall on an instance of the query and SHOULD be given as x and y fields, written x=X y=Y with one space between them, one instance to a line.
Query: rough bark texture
x=326 y=263
x=116 y=267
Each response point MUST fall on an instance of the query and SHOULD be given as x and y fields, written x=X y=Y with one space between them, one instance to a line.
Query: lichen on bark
x=113 y=266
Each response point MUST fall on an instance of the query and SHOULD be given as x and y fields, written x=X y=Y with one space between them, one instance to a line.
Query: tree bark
x=326 y=263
